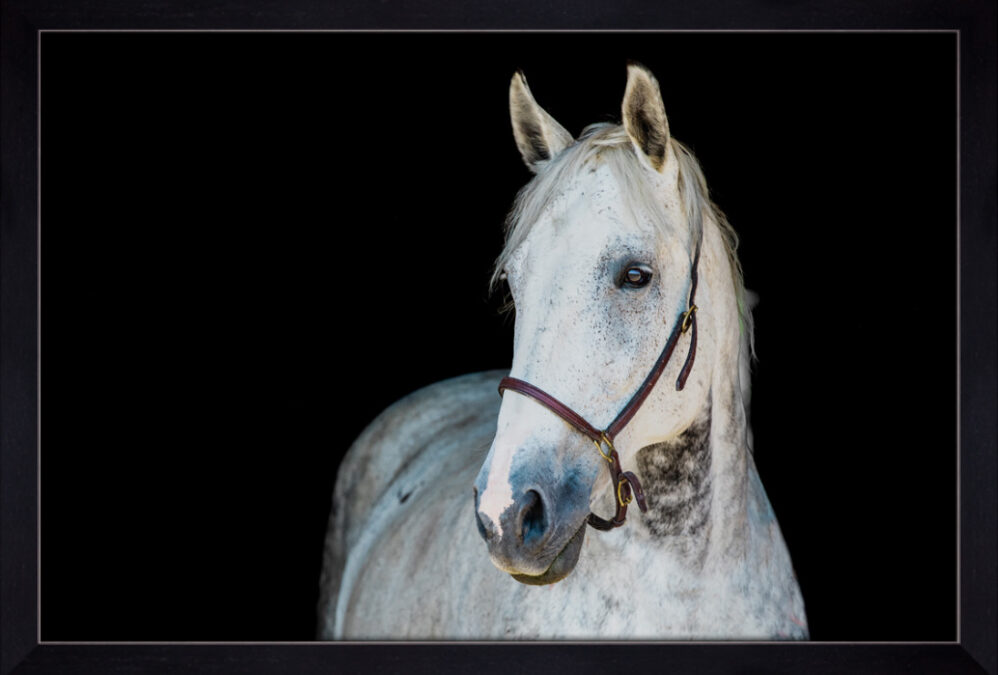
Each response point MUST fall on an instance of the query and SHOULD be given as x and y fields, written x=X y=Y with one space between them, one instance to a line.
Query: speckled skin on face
x=453 y=464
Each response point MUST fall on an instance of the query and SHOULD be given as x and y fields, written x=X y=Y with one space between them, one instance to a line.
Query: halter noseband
x=626 y=484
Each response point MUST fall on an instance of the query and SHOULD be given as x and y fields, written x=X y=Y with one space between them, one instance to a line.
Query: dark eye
x=636 y=276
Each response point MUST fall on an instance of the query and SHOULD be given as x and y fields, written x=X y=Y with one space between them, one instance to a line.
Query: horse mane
x=610 y=143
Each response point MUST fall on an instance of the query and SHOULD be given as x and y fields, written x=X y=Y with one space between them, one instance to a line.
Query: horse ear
x=538 y=135
x=644 y=115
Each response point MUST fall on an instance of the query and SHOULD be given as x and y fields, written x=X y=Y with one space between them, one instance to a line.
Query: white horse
x=630 y=374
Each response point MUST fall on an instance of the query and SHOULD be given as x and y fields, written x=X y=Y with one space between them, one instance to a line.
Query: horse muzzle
x=561 y=566
x=531 y=541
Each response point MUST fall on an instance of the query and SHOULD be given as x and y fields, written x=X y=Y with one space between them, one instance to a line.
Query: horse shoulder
x=387 y=451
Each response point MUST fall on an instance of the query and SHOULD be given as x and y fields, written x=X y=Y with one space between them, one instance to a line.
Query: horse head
x=601 y=259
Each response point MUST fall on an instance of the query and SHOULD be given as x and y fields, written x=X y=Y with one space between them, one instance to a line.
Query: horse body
x=408 y=574
x=597 y=260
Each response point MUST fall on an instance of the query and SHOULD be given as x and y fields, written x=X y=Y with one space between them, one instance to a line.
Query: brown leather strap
x=625 y=483
x=552 y=404
x=644 y=390
x=690 y=355
x=630 y=486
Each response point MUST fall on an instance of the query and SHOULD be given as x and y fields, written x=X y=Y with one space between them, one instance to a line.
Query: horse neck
x=697 y=482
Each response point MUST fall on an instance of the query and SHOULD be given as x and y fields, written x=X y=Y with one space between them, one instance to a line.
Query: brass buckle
x=687 y=318
x=620 y=496
x=599 y=446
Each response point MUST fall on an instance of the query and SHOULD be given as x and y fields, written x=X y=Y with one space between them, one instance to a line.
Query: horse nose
x=526 y=519
x=531 y=522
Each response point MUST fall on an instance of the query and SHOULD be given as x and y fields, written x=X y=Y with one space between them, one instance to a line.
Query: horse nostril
x=533 y=517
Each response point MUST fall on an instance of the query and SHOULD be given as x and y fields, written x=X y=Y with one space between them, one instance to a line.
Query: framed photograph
x=229 y=245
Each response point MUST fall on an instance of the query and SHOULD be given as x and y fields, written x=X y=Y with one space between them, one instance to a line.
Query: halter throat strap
x=625 y=484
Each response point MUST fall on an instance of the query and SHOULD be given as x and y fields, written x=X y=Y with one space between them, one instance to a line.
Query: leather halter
x=626 y=484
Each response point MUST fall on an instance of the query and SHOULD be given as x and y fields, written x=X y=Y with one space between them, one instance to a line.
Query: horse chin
x=562 y=565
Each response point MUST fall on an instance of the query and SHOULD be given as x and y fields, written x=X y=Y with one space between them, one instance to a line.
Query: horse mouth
x=561 y=566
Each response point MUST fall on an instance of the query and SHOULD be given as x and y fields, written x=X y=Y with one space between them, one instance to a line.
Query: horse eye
x=637 y=276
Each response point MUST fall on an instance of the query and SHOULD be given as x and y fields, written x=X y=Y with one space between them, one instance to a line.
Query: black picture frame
x=21 y=651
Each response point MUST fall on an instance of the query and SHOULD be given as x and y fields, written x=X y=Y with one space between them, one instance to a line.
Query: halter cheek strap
x=625 y=484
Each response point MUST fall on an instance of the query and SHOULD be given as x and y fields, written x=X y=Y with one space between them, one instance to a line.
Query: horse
x=629 y=386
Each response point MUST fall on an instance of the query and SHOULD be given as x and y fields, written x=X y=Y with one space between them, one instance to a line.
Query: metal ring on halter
x=620 y=496
x=687 y=318
x=599 y=446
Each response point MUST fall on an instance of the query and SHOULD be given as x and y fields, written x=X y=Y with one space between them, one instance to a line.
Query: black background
x=253 y=243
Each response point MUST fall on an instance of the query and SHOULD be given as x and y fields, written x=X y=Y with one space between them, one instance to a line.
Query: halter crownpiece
x=625 y=484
